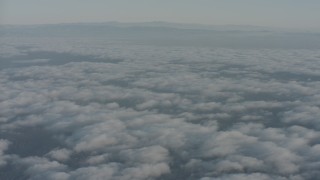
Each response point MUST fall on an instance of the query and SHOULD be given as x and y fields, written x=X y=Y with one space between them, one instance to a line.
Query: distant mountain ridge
x=159 y=24
x=172 y=34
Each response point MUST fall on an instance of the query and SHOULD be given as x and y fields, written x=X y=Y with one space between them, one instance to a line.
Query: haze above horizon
x=285 y=14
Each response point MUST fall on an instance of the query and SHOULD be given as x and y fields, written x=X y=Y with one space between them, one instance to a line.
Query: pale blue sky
x=278 y=13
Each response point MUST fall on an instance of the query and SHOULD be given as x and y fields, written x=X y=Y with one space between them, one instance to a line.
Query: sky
x=284 y=13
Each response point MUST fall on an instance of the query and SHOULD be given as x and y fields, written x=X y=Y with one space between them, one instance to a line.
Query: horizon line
x=196 y=25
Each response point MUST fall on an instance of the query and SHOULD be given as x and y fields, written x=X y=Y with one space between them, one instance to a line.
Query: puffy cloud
x=303 y=115
x=150 y=155
x=99 y=159
x=38 y=168
x=60 y=154
x=245 y=177
x=95 y=172
x=4 y=144
x=147 y=171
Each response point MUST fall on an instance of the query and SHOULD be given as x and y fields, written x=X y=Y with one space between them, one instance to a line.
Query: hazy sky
x=280 y=13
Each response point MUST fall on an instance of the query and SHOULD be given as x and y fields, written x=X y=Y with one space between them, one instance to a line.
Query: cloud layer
x=151 y=112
